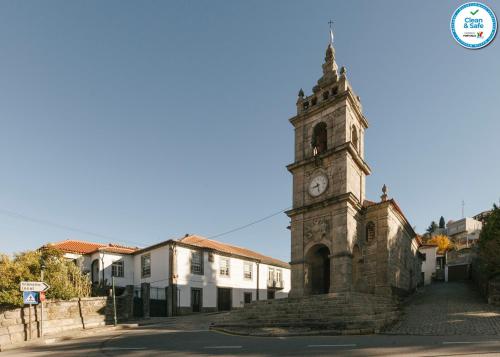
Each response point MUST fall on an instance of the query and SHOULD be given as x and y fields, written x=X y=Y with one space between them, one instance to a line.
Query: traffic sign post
x=30 y=297
x=33 y=293
x=34 y=286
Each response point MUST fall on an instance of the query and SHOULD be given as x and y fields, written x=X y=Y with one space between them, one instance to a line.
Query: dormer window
x=319 y=139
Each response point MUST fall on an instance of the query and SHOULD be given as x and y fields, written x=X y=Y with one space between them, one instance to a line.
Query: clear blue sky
x=146 y=120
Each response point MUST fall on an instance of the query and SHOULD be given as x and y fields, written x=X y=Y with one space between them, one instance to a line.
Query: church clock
x=318 y=185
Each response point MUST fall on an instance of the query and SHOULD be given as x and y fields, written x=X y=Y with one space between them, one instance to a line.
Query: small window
x=270 y=274
x=117 y=269
x=354 y=137
x=197 y=262
x=325 y=95
x=279 y=275
x=146 y=265
x=335 y=91
x=424 y=257
x=306 y=105
x=314 y=101
x=224 y=266
x=370 y=232
x=270 y=295
x=247 y=270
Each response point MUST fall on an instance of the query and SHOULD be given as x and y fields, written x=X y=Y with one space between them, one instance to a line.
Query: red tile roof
x=83 y=247
x=203 y=242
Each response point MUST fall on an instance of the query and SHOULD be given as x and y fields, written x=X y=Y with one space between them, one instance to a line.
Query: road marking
x=124 y=348
x=221 y=347
x=345 y=345
x=467 y=342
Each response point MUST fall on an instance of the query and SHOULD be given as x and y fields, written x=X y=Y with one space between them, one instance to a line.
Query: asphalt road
x=161 y=341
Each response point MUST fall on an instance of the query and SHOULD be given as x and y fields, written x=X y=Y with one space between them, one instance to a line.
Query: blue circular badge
x=473 y=25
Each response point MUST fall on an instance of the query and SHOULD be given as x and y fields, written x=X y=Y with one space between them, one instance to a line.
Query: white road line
x=124 y=348
x=221 y=347
x=467 y=342
x=346 y=345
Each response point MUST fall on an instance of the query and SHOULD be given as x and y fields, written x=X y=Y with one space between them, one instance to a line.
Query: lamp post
x=42 y=276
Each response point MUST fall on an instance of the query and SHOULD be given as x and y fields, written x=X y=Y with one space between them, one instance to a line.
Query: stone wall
x=494 y=292
x=60 y=316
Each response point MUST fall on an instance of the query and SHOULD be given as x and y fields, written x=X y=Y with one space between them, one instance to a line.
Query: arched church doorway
x=318 y=262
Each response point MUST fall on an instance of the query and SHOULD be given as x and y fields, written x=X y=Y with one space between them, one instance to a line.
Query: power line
x=43 y=222
x=249 y=224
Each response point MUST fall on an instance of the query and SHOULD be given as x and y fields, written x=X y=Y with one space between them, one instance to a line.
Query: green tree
x=489 y=244
x=442 y=223
x=432 y=227
x=64 y=277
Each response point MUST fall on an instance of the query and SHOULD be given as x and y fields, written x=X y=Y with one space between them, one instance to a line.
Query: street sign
x=30 y=297
x=34 y=286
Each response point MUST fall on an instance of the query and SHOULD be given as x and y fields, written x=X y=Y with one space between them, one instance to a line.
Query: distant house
x=192 y=274
x=464 y=232
x=429 y=254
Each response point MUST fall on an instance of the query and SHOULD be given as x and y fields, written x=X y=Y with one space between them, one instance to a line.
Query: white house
x=464 y=232
x=192 y=274
x=429 y=256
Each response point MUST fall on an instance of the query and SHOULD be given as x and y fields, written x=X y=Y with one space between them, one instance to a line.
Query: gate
x=157 y=302
x=138 y=312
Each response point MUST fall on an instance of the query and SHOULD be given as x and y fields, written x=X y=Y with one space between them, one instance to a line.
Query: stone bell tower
x=329 y=174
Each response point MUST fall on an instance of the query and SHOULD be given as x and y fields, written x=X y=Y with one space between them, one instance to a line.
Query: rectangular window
x=117 y=269
x=224 y=266
x=247 y=270
x=278 y=275
x=270 y=274
x=146 y=265
x=197 y=262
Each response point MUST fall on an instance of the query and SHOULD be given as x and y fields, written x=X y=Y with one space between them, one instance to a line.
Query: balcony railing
x=276 y=284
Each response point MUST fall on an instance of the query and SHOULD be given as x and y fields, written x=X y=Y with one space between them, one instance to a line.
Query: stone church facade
x=339 y=240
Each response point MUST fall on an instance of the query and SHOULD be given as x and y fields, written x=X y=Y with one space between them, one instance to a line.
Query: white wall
x=159 y=268
x=429 y=265
x=211 y=279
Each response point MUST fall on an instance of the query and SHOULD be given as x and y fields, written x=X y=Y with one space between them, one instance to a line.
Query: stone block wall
x=60 y=316
x=494 y=292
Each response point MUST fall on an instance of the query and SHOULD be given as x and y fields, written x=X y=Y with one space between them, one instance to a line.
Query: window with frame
x=270 y=274
x=145 y=266
x=224 y=266
x=197 y=262
x=278 y=275
x=117 y=269
x=247 y=270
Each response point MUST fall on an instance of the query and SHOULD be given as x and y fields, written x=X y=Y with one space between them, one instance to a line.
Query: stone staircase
x=332 y=314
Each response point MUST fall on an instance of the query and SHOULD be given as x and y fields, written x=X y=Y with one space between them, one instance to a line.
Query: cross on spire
x=331 y=32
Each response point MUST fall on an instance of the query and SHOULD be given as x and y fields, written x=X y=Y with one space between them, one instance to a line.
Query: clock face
x=318 y=185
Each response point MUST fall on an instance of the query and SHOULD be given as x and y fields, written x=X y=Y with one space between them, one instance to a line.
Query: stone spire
x=330 y=67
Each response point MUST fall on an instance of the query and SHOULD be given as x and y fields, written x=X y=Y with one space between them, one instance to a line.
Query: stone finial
x=301 y=93
x=343 y=71
x=330 y=66
x=384 y=193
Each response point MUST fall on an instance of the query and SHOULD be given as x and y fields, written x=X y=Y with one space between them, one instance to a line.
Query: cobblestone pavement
x=445 y=309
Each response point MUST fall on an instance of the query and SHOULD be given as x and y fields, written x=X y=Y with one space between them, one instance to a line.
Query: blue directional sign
x=30 y=297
